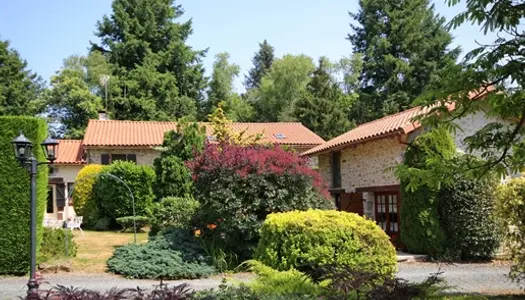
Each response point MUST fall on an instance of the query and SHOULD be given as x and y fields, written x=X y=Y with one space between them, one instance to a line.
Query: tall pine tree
x=405 y=48
x=160 y=77
x=262 y=62
x=322 y=106
x=19 y=87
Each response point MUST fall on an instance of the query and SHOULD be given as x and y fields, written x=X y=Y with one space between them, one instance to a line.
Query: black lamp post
x=23 y=152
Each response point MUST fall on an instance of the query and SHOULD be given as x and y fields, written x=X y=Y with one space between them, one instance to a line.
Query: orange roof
x=399 y=123
x=113 y=133
x=69 y=152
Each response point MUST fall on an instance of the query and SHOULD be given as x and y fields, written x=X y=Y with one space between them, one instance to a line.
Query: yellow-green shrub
x=84 y=189
x=510 y=208
x=317 y=237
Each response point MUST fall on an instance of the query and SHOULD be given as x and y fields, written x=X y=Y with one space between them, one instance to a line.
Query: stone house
x=357 y=164
x=106 y=141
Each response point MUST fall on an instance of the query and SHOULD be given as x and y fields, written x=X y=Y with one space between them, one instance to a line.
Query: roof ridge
x=70 y=140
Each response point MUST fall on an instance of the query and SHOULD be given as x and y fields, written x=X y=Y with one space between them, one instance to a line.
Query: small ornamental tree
x=239 y=186
x=173 y=179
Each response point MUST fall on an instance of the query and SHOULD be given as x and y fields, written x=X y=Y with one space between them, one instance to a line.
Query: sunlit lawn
x=96 y=247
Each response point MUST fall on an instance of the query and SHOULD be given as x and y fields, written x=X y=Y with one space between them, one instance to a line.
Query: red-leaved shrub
x=241 y=185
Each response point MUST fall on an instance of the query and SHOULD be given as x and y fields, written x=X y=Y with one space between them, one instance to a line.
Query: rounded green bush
x=173 y=211
x=315 y=238
x=83 y=201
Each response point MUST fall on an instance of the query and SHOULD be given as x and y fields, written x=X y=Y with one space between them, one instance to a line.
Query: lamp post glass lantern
x=23 y=152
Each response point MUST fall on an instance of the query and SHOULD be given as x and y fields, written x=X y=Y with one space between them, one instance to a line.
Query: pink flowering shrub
x=242 y=185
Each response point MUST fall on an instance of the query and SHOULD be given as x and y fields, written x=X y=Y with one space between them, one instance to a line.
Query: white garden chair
x=75 y=223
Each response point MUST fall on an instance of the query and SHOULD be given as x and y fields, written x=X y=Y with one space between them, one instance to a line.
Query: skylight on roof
x=211 y=138
x=280 y=136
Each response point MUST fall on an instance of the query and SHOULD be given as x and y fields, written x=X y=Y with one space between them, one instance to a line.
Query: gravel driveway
x=483 y=278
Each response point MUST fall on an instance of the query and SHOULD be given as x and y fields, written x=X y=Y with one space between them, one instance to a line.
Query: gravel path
x=481 y=278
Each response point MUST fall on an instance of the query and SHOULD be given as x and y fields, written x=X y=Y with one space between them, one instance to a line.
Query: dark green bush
x=113 y=197
x=128 y=223
x=101 y=223
x=54 y=244
x=14 y=193
x=315 y=237
x=421 y=231
x=173 y=254
x=238 y=186
x=173 y=178
x=466 y=210
x=173 y=211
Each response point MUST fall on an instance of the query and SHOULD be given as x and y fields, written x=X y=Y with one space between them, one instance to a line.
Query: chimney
x=102 y=115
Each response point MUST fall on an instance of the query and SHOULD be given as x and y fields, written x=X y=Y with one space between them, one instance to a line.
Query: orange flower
x=197 y=232
x=212 y=226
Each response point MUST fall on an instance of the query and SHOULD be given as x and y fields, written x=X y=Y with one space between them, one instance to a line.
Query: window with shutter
x=61 y=195
x=49 y=206
x=104 y=159
x=132 y=157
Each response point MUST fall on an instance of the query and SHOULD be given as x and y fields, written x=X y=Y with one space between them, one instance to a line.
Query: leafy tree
x=223 y=132
x=160 y=76
x=405 y=48
x=493 y=71
x=262 y=62
x=19 y=87
x=282 y=87
x=70 y=100
x=173 y=178
x=221 y=89
x=322 y=106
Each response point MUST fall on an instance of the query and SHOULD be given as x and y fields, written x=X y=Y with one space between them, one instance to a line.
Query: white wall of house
x=68 y=173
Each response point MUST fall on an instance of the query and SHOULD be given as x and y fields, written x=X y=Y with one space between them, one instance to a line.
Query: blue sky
x=45 y=32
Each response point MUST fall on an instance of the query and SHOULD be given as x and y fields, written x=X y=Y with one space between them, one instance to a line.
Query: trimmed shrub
x=241 y=185
x=170 y=255
x=421 y=231
x=510 y=209
x=54 y=244
x=15 y=193
x=466 y=211
x=173 y=211
x=315 y=238
x=83 y=202
x=128 y=223
x=113 y=197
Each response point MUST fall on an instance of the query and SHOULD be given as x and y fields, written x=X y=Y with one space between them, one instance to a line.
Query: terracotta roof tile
x=397 y=123
x=69 y=152
x=108 y=133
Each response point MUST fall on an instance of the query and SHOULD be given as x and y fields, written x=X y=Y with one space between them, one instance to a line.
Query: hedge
x=421 y=231
x=113 y=197
x=315 y=238
x=83 y=201
x=15 y=193
x=467 y=216
x=510 y=207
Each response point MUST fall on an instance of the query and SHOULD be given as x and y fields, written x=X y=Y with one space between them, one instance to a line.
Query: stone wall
x=144 y=156
x=364 y=165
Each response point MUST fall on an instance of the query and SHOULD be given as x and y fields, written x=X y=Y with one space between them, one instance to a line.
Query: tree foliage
x=159 y=76
x=19 y=87
x=173 y=179
x=322 y=107
x=281 y=88
x=405 y=47
x=495 y=72
x=223 y=132
x=262 y=62
x=71 y=99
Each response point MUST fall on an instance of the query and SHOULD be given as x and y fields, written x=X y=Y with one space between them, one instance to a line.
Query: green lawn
x=96 y=247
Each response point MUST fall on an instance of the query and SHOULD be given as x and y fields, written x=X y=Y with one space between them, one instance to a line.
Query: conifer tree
x=262 y=62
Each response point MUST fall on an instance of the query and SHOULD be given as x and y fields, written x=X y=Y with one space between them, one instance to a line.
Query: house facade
x=62 y=175
x=106 y=141
x=357 y=165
